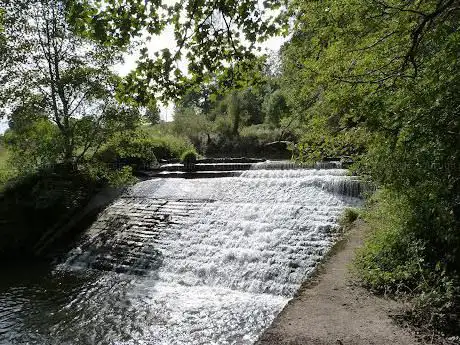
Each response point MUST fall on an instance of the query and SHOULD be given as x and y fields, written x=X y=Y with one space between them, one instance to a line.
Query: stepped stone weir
x=190 y=261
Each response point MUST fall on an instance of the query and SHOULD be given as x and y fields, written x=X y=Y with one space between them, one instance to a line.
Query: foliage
x=233 y=123
x=212 y=36
x=262 y=133
x=174 y=145
x=152 y=113
x=120 y=177
x=49 y=198
x=135 y=151
x=160 y=129
x=378 y=80
x=318 y=143
x=348 y=217
x=6 y=171
x=188 y=156
x=390 y=260
x=189 y=122
x=394 y=260
x=141 y=150
x=34 y=145
x=275 y=108
x=52 y=73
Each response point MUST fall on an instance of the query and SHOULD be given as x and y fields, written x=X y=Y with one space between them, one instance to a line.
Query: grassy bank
x=397 y=261
x=32 y=206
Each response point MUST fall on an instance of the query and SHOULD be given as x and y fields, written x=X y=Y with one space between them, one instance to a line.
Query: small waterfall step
x=226 y=167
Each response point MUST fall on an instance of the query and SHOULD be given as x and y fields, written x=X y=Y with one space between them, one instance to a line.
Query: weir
x=187 y=261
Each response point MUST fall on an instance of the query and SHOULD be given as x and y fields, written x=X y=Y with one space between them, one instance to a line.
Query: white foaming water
x=205 y=261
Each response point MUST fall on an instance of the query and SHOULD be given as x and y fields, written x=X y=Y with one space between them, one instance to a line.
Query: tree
x=211 y=37
x=387 y=71
x=275 y=108
x=58 y=74
x=234 y=111
x=33 y=145
x=152 y=113
x=189 y=122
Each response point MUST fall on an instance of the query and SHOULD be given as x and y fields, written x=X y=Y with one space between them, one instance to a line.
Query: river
x=182 y=261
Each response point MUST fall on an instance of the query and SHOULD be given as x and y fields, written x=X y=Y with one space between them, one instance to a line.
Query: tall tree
x=152 y=113
x=61 y=74
x=384 y=73
x=210 y=36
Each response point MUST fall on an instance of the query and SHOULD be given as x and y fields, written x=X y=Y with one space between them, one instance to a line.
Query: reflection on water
x=175 y=261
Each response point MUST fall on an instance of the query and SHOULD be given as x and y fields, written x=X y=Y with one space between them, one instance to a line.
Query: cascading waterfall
x=188 y=261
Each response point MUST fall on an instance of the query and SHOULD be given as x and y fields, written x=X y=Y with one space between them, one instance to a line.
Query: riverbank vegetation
x=375 y=81
x=69 y=135
x=249 y=122
x=383 y=87
x=34 y=207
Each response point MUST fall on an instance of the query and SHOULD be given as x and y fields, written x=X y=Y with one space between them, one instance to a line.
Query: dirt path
x=333 y=311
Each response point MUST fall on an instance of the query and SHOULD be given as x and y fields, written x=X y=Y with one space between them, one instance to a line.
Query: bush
x=34 y=204
x=140 y=150
x=34 y=146
x=188 y=158
x=348 y=217
x=111 y=177
x=261 y=133
x=252 y=141
x=390 y=258
x=397 y=260
x=161 y=129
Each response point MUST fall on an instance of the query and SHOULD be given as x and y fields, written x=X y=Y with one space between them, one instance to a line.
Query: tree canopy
x=52 y=73
x=378 y=80
x=210 y=37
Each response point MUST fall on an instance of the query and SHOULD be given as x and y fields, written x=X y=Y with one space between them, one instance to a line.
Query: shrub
x=389 y=260
x=261 y=133
x=349 y=216
x=141 y=150
x=112 y=177
x=188 y=158
x=397 y=260
x=33 y=146
x=32 y=205
x=223 y=126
